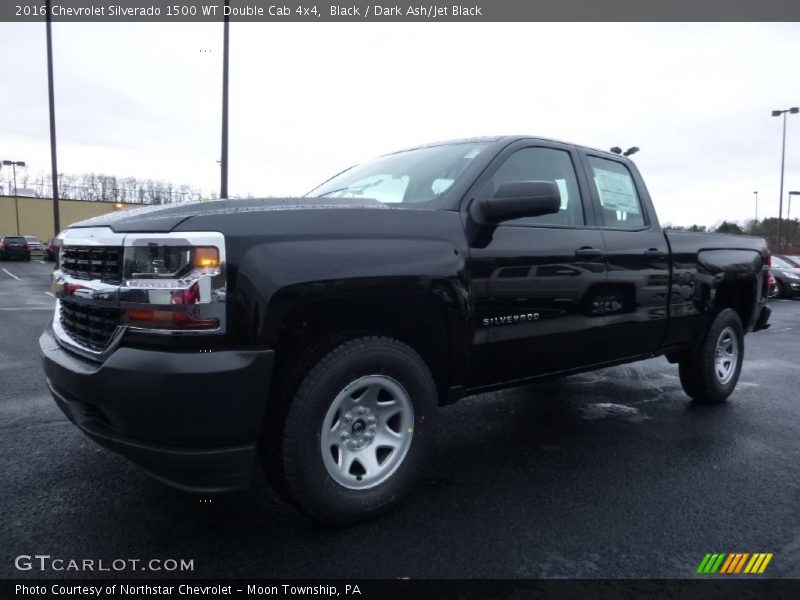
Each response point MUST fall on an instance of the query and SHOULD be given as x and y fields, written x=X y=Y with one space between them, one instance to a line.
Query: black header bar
x=409 y=10
x=716 y=588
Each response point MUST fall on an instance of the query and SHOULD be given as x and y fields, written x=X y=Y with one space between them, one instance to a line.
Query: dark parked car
x=787 y=278
x=318 y=335
x=14 y=247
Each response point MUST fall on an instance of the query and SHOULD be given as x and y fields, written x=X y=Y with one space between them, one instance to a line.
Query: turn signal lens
x=140 y=315
x=166 y=319
x=206 y=256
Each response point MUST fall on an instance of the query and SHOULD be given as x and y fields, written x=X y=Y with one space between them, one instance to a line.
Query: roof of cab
x=508 y=139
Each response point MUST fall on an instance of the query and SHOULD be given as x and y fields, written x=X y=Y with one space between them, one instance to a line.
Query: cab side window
x=543 y=164
x=620 y=205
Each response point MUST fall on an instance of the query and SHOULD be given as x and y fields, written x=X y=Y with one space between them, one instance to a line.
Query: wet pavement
x=613 y=473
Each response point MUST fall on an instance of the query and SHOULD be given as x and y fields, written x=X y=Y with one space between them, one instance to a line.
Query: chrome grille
x=93 y=262
x=90 y=326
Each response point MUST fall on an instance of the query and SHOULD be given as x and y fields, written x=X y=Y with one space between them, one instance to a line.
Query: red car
x=51 y=250
x=773 y=287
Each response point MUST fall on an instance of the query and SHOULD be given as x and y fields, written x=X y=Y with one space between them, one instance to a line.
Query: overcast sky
x=308 y=100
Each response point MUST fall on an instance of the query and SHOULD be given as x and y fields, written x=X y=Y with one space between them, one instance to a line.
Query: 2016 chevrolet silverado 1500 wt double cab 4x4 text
x=319 y=334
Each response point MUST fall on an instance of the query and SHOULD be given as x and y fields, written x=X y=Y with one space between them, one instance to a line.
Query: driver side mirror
x=516 y=200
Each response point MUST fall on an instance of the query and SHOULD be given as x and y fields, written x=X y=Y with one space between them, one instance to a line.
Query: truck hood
x=164 y=218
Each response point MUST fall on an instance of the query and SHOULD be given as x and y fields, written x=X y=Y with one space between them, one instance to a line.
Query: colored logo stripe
x=711 y=562
x=758 y=563
x=734 y=562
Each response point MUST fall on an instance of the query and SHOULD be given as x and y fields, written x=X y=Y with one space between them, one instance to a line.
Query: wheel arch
x=427 y=317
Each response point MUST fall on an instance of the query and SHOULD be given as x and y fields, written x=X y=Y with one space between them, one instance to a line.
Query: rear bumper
x=190 y=419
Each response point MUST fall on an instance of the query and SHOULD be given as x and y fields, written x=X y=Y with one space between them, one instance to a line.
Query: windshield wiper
x=358 y=190
x=344 y=189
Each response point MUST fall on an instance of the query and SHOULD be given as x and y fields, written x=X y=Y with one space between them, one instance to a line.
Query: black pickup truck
x=318 y=335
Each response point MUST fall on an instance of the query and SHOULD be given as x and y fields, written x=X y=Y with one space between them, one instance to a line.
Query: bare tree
x=108 y=188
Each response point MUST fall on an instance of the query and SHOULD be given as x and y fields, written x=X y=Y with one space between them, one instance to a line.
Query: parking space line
x=11 y=274
x=43 y=262
x=27 y=308
x=50 y=294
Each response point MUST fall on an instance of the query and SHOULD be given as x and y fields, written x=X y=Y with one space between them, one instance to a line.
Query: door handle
x=587 y=253
x=654 y=253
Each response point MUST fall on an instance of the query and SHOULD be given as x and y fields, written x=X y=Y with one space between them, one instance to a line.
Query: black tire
x=777 y=290
x=689 y=380
x=292 y=445
x=702 y=377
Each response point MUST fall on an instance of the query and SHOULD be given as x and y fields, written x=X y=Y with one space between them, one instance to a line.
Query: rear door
x=535 y=279
x=637 y=258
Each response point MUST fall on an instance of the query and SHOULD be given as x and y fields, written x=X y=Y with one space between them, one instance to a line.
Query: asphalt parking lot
x=608 y=474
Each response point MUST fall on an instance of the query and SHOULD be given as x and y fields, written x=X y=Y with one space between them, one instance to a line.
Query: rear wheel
x=711 y=372
x=356 y=428
x=776 y=290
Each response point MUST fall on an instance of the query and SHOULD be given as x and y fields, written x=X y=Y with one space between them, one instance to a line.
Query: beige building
x=36 y=214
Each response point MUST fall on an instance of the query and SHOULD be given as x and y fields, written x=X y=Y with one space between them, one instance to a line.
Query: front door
x=536 y=280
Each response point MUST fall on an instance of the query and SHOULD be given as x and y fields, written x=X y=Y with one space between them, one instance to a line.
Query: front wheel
x=357 y=428
x=711 y=372
x=776 y=290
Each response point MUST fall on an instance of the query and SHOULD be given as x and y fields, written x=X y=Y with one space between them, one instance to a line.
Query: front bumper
x=190 y=419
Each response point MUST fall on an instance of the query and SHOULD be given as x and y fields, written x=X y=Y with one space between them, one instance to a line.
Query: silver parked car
x=34 y=243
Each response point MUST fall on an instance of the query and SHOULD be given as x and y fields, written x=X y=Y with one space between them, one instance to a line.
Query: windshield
x=793 y=261
x=409 y=177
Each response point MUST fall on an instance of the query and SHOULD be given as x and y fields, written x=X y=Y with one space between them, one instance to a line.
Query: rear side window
x=620 y=205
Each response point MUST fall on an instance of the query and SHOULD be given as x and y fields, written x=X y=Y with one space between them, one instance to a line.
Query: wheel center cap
x=358 y=427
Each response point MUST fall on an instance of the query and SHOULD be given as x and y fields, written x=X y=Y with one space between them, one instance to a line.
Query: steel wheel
x=367 y=432
x=726 y=355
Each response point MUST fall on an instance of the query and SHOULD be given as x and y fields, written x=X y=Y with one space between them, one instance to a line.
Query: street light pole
x=52 y=109
x=777 y=113
x=14 y=164
x=223 y=164
x=756 y=195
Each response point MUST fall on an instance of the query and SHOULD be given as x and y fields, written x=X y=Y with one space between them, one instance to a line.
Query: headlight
x=172 y=282
x=171 y=263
